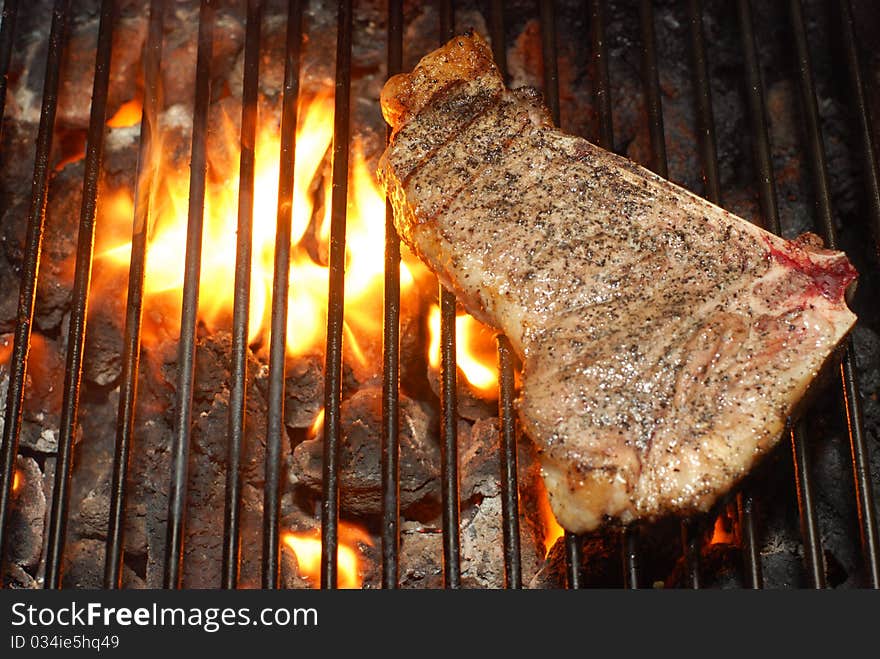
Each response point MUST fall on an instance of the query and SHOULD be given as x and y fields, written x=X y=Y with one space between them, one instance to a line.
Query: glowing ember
x=16 y=481
x=307 y=303
x=475 y=351
x=306 y=547
x=723 y=532
x=552 y=530
x=128 y=114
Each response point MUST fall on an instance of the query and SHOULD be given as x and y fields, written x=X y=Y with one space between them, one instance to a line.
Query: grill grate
x=390 y=535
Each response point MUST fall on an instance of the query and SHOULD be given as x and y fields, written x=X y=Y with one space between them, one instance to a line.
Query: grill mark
x=470 y=180
x=482 y=104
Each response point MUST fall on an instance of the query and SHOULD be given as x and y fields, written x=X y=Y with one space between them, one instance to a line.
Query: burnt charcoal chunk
x=360 y=473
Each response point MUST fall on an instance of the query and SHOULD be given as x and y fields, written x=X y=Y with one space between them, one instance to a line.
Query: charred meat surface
x=664 y=341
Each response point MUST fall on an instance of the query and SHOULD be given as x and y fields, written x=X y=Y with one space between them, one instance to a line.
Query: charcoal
x=303 y=389
x=42 y=396
x=102 y=363
x=84 y=568
x=360 y=475
x=27 y=516
x=77 y=74
x=421 y=552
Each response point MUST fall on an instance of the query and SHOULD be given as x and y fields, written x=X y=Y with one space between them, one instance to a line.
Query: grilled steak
x=664 y=341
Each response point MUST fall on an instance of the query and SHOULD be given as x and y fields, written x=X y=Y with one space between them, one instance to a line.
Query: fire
x=310 y=227
x=723 y=532
x=128 y=114
x=16 y=481
x=552 y=530
x=306 y=547
x=475 y=351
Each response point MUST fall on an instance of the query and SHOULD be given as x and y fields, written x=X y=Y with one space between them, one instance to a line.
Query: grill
x=633 y=540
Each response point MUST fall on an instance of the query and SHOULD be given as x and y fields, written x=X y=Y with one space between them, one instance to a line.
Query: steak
x=664 y=342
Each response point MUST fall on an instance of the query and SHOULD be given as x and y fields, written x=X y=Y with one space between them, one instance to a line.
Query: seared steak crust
x=664 y=341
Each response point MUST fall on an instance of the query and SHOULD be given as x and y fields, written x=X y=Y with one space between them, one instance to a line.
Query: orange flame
x=723 y=531
x=552 y=530
x=306 y=547
x=307 y=297
x=16 y=481
x=475 y=351
x=128 y=114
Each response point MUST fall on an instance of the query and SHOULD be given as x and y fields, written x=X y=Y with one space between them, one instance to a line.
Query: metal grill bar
x=496 y=30
x=509 y=489
x=80 y=301
x=808 y=517
x=146 y=172
x=712 y=191
x=506 y=389
x=449 y=400
x=705 y=118
x=391 y=350
x=573 y=543
x=857 y=89
x=651 y=81
x=31 y=263
x=849 y=382
x=241 y=303
x=7 y=32
x=599 y=55
x=658 y=163
x=189 y=308
x=749 y=541
x=275 y=432
x=336 y=299
x=770 y=220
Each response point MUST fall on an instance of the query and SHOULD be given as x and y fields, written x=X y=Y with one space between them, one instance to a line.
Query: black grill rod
x=712 y=190
x=651 y=79
x=712 y=183
x=705 y=115
x=496 y=31
x=658 y=163
x=509 y=485
x=391 y=350
x=573 y=543
x=849 y=381
x=507 y=384
x=7 y=33
x=550 y=57
x=451 y=513
x=275 y=430
x=31 y=263
x=80 y=297
x=241 y=295
x=601 y=80
x=146 y=173
x=769 y=220
x=336 y=299
x=745 y=505
x=629 y=537
x=857 y=89
x=861 y=460
x=189 y=308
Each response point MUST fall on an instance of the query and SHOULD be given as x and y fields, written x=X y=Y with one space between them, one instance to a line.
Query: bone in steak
x=664 y=341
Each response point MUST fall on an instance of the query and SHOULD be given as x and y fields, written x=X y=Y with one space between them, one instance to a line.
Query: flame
x=552 y=530
x=128 y=114
x=310 y=230
x=317 y=424
x=16 y=481
x=723 y=532
x=306 y=547
x=475 y=351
